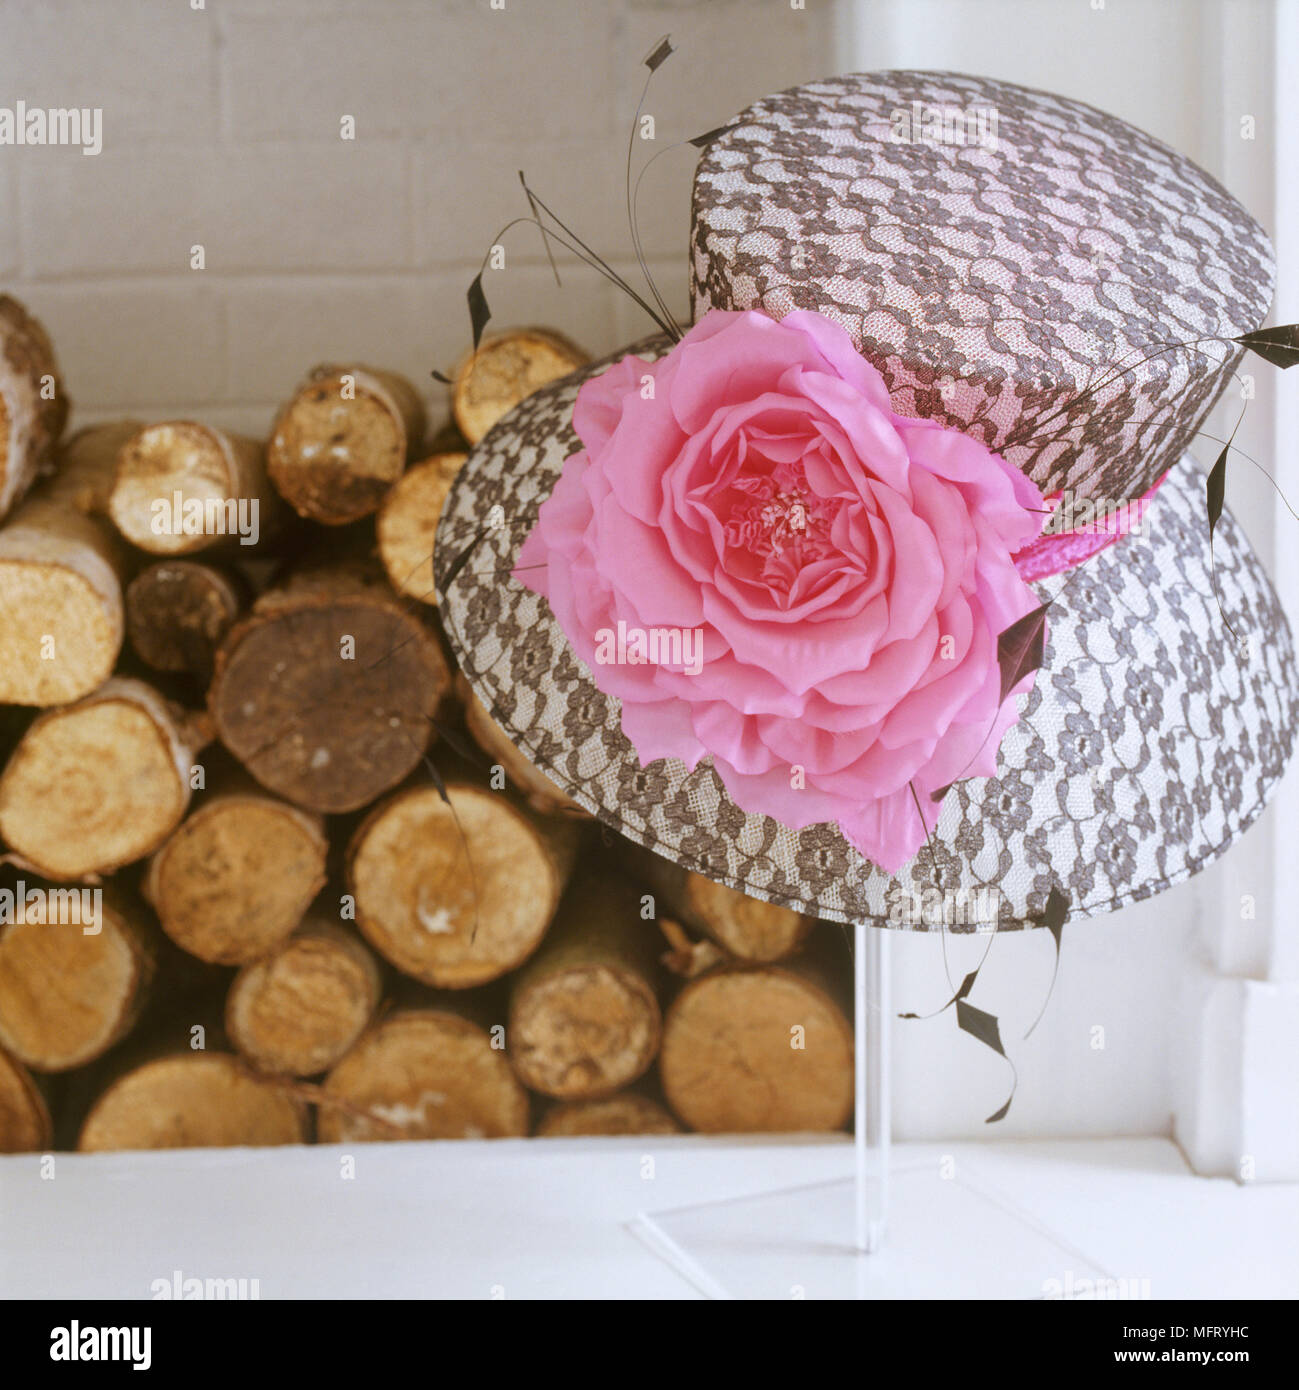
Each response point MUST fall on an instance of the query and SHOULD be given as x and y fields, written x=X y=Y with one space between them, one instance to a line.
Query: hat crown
x=1016 y=264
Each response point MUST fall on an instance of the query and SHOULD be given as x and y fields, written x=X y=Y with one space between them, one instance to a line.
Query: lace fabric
x=1028 y=290
x=1150 y=741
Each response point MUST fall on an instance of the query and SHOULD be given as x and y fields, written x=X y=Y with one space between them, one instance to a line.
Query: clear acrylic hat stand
x=918 y=1229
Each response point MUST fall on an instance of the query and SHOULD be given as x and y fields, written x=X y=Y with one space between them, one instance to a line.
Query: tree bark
x=62 y=565
x=342 y=440
x=31 y=416
x=101 y=783
x=327 y=691
x=457 y=894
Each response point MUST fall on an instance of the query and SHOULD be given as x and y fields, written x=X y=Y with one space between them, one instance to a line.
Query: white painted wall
x=221 y=128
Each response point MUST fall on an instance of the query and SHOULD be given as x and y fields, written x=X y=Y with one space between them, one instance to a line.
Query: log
x=86 y=468
x=342 y=440
x=506 y=369
x=423 y=1074
x=100 y=783
x=584 y=1011
x=191 y=1100
x=297 y=1010
x=25 y=1124
x=729 y=1064
x=687 y=956
x=177 y=612
x=62 y=565
x=457 y=894
x=33 y=406
x=532 y=784
x=746 y=928
x=73 y=986
x=237 y=876
x=407 y=523
x=182 y=487
x=626 y=1113
x=327 y=691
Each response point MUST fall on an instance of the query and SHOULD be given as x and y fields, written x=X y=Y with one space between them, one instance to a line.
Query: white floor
x=556 y=1219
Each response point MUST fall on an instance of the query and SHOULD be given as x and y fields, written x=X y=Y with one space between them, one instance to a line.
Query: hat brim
x=1150 y=742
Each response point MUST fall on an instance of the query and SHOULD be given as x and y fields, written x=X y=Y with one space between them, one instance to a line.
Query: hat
x=894 y=573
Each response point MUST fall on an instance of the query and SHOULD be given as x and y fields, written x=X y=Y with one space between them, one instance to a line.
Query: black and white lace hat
x=1069 y=293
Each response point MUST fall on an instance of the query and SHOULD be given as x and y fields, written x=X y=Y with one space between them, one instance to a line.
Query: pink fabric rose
x=837 y=574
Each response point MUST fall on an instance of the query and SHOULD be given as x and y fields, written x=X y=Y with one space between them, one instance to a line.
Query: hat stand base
x=881 y=1233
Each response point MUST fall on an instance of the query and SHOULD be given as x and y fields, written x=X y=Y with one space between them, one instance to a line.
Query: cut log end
x=62 y=620
x=455 y=895
x=342 y=441
x=506 y=369
x=584 y=1015
x=25 y=1125
x=327 y=697
x=298 y=1010
x=628 y=1113
x=98 y=784
x=749 y=928
x=423 y=1074
x=61 y=569
x=236 y=878
x=407 y=524
x=757 y=1049
x=177 y=612
x=584 y=1032
x=746 y=928
x=211 y=473
x=70 y=988
x=188 y=1101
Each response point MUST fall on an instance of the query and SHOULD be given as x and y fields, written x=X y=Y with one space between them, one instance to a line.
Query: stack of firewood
x=271 y=873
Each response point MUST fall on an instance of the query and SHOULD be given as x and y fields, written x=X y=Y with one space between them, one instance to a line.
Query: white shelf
x=552 y=1218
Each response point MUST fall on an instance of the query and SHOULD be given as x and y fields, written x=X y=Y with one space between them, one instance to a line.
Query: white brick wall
x=221 y=128
x=8 y=222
